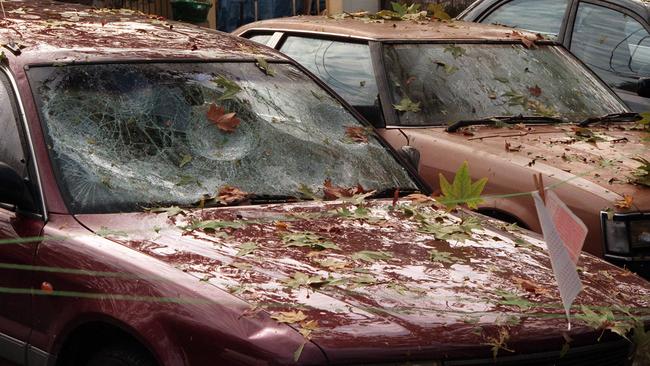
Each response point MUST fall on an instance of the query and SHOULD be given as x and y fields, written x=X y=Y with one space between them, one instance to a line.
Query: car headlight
x=625 y=233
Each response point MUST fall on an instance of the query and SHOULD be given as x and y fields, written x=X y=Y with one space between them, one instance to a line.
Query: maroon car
x=162 y=196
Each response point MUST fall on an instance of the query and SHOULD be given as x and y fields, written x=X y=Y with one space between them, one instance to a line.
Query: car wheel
x=121 y=355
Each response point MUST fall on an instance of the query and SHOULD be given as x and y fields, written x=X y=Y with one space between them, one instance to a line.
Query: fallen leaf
x=332 y=192
x=371 y=256
x=407 y=105
x=420 y=198
x=462 y=190
x=185 y=159
x=535 y=91
x=246 y=248
x=264 y=66
x=625 y=203
x=226 y=122
x=289 y=317
x=282 y=226
x=527 y=40
x=308 y=239
x=511 y=148
x=229 y=195
x=530 y=286
x=230 y=87
x=357 y=134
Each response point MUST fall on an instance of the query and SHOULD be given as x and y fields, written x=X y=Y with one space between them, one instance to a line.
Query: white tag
x=564 y=267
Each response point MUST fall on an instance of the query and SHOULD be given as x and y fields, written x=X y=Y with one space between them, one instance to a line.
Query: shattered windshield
x=123 y=137
x=439 y=84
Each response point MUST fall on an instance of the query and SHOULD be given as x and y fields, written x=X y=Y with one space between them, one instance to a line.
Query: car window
x=613 y=44
x=541 y=16
x=345 y=67
x=437 y=84
x=11 y=150
x=260 y=38
x=128 y=136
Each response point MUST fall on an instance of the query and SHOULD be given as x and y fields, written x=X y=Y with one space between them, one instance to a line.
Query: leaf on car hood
x=307 y=239
x=462 y=190
x=641 y=175
x=371 y=256
x=289 y=317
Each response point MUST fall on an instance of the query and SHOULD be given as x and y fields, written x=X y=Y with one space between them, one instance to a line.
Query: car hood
x=606 y=160
x=380 y=281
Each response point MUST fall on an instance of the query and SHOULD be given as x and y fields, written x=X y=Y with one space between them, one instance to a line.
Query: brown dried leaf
x=229 y=195
x=512 y=148
x=527 y=40
x=226 y=122
x=535 y=91
x=625 y=203
x=332 y=192
x=357 y=134
x=530 y=286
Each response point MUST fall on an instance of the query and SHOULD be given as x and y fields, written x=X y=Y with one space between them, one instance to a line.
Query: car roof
x=55 y=32
x=387 y=30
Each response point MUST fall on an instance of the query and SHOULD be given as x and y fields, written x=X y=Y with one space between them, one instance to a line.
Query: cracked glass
x=439 y=84
x=127 y=136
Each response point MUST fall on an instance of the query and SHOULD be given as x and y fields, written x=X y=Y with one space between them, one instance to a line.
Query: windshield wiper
x=503 y=119
x=613 y=117
x=259 y=199
x=390 y=192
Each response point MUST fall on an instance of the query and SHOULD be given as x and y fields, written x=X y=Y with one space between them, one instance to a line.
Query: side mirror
x=644 y=87
x=411 y=154
x=13 y=189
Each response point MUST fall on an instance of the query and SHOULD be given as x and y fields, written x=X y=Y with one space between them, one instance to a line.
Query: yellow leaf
x=290 y=317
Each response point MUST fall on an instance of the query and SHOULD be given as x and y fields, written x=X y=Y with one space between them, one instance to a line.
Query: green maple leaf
x=442 y=257
x=371 y=256
x=462 y=190
x=231 y=88
x=307 y=239
x=642 y=174
x=407 y=105
x=645 y=122
x=246 y=248
x=455 y=51
x=264 y=66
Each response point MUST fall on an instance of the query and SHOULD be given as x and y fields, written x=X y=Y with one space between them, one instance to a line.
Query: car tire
x=120 y=355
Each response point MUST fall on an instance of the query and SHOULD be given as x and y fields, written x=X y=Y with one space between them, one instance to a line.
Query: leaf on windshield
x=264 y=66
x=185 y=159
x=642 y=174
x=226 y=122
x=229 y=195
x=357 y=134
x=449 y=69
x=407 y=105
x=535 y=91
x=371 y=256
x=462 y=190
x=455 y=51
x=527 y=39
x=625 y=203
x=308 y=239
x=332 y=192
x=231 y=88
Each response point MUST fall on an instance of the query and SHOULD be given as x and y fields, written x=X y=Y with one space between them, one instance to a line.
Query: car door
x=615 y=43
x=344 y=65
x=17 y=226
